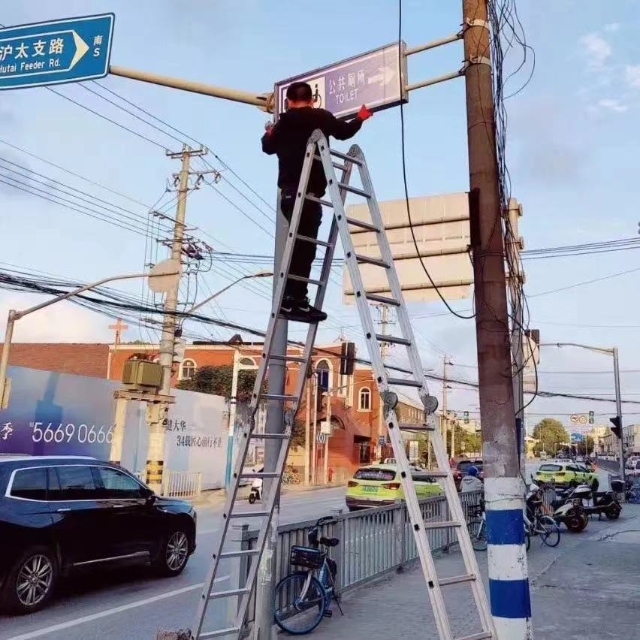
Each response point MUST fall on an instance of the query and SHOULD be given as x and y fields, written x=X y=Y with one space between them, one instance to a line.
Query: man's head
x=473 y=471
x=299 y=94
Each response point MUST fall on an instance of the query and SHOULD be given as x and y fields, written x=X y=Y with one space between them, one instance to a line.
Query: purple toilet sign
x=376 y=78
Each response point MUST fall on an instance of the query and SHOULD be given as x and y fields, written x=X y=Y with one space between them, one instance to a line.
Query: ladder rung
x=374 y=297
x=337 y=165
x=322 y=243
x=277 y=396
x=348 y=187
x=240 y=553
x=363 y=225
x=260 y=474
x=445 y=582
x=217 y=634
x=269 y=436
x=319 y=283
x=228 y=594
x=376 y=261
x=249 y=514
x=483 y=635
x=393 y=340
x=405 y=382
x=441 y=524
x=408 y=426
x=287 y=358
x=324 y=203
x=344 y=156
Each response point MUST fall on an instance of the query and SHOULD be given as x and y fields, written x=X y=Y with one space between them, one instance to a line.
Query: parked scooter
x=256 y=488
x=605 y=502
x=567 y=508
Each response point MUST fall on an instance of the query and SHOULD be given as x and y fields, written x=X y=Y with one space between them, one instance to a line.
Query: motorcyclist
x=471 y=482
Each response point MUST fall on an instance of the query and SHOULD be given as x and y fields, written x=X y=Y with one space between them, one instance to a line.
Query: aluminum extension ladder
x=318 y=149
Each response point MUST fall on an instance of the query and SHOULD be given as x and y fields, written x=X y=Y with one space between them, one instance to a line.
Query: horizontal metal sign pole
x=437 y=80
x=263 y=101
x=434 y=43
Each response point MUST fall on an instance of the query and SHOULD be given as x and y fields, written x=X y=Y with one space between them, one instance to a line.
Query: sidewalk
x=585 y=589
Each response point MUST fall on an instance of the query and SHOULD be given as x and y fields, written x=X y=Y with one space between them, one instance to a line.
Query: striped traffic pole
x=507 y=557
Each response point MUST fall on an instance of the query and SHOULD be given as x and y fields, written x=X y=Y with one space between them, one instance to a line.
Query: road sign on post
x=371 y=78
x=55 y=52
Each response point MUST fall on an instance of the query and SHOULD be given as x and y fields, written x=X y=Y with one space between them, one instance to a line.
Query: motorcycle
x=256 y=489
x=567 y=508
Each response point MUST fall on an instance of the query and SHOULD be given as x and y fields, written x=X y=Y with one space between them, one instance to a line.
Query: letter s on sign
x=96 y=52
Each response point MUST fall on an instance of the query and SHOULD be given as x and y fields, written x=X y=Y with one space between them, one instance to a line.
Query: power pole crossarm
x=504 y=490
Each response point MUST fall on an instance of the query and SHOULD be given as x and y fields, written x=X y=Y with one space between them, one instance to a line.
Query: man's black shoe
x=301 y=311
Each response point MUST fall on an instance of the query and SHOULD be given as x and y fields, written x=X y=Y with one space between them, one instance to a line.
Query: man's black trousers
x=304 y=253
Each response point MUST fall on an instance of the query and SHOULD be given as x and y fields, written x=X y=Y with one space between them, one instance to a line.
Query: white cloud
x=62 y=322
x=613 y=26
x=596 y=49
x=632 y=75
x=612 y=105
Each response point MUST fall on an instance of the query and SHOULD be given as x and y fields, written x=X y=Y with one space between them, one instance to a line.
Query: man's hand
x=364 y=113
x=268 y=127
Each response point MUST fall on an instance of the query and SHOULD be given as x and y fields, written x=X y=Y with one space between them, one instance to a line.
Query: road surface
x=130 y=605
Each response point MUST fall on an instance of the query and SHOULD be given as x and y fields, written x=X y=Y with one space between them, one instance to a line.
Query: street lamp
x=237 y=367
x=250 y=276
x=13 y=316
x=617 y=421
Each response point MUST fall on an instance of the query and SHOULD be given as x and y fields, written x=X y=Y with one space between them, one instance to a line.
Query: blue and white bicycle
x=303 y=598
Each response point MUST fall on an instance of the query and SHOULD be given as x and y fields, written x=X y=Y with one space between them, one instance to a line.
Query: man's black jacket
x=289 y=138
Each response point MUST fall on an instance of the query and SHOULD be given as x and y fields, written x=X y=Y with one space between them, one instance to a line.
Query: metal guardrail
x=181 y=484
x=373 y=542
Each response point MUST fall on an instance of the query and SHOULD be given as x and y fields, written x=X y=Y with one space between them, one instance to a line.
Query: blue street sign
x=376 y=78
x=54 y=52
x=577 y=437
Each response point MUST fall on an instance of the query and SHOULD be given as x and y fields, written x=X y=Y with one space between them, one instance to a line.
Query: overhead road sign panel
x=70 y=50
x=376 y=78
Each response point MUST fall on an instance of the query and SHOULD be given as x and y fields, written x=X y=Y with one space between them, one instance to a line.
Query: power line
x=586 y=282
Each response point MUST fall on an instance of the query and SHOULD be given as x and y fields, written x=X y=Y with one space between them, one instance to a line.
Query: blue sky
x=571 y=155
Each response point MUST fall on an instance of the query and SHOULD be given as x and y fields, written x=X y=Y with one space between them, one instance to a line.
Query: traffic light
x=591 y=414
x=617 y=426
x=466 y=417
x=348 y=359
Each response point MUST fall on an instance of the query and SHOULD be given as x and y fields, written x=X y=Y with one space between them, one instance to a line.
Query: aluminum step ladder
x=338 y=188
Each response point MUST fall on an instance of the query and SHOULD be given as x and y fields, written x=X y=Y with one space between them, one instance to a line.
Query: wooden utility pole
x=504 y=498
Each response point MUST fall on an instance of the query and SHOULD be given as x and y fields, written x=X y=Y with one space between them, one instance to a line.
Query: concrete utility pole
x=516 y=281
x=155 y=451
x=307 y=434
x=445 y=403
x=616 y=374
x=504 y=490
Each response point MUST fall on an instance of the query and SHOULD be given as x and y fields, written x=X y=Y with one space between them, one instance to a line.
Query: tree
x=218 y=380
x=551 y=435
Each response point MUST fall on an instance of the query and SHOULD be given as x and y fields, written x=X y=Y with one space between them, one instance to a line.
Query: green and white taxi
x=379 y=485
x=566 y=473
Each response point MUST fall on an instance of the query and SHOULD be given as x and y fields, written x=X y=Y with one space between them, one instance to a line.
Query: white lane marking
x=109 y=612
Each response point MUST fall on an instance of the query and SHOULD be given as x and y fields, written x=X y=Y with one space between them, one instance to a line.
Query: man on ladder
x=289 y=139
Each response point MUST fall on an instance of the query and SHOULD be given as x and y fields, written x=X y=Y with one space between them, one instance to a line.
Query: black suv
x=59 y=514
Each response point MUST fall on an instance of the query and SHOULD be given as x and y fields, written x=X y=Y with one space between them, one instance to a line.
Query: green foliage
x=551 y=434
x=217 y=381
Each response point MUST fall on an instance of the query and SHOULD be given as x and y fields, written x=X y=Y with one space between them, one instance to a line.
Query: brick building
x=355 y=403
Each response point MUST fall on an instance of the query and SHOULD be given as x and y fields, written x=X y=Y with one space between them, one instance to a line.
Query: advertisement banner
x=53 y=413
